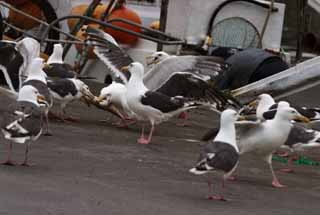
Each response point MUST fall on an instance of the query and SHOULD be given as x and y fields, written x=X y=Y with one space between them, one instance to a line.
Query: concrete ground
x=94 y=168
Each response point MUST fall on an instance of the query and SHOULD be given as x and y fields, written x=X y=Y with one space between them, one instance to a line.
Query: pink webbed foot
x=219 y=198
x=277 y=184
x=8 y=163
x=143 y=141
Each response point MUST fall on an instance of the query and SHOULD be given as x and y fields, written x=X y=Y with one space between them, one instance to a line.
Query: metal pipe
x=163 y=20
x=300 y=29
x=176 y=42
x=106 y=13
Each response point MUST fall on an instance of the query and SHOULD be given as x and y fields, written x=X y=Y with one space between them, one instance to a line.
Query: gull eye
x=160 y=55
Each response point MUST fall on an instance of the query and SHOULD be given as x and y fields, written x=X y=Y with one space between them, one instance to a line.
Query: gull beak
x=99 y=99
x=125 y=69
x=253 y=104
x=152 y=60
x=149 y=60
x=242 y=118
x=302 y=119
x=41 y=99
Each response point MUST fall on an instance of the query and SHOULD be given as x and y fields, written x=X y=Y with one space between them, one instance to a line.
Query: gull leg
x=275 y=181
x=46 y=115
x=210 y=195
x=151 y=132
x=142 y=139
x=25 y=162
x=8 y=161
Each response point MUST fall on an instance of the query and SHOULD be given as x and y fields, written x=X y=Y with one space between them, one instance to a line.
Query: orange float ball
x=22 y=21
x=128 y=14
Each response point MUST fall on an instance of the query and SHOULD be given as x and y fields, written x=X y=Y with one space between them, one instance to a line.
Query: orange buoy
x=22 y=21
x=124 y=13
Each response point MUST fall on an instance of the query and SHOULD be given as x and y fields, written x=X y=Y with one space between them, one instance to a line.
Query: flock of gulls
x=171 y=86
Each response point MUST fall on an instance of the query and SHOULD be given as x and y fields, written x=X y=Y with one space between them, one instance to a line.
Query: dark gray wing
x=162 y=102
x=63 y=87
x=219 y=156
x=311 y=113
x=300 y=135
x=60 y=70
x=203 y=66
x=109 y=52
x=191 y=86
x=26 y=123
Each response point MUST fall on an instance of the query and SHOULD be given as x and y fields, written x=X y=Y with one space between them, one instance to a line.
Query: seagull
x=36 y=77
x=67 y=90
x=220 y=154
x=263 y=138
x=152 y=106
x=24 y=124
x=115 y=94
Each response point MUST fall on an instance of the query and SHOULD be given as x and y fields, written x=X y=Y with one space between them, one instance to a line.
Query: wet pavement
x=92 y=167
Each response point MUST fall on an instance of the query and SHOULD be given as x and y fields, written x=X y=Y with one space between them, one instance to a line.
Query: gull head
x=156 y=58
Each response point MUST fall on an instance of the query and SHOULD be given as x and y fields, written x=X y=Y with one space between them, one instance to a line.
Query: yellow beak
x=302 y=119
x=125 y=69
x=99 y=99
x=41 y=99
x=242 y=118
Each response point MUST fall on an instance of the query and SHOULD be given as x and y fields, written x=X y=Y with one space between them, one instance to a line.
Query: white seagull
x=266 y=137
x=152 y=106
